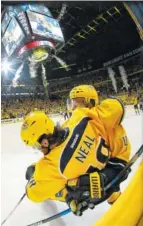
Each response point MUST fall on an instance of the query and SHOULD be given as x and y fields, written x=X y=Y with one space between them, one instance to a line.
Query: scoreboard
x=28 y=26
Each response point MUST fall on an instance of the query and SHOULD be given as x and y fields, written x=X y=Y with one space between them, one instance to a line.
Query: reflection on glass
x=12 y=37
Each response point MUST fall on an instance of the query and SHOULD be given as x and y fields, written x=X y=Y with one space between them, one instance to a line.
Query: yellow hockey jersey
x=136 y=101
x=91 y=142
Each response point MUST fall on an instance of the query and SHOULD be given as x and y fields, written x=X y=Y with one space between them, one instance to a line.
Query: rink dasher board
x=129 y=111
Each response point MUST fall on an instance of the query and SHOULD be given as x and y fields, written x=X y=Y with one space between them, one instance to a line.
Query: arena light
x=5 y=66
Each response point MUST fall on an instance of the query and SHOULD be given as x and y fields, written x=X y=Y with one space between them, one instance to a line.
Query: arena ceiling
x=94 y=32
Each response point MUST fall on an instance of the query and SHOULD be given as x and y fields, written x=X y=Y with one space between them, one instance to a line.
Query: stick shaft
x=13 y=209
x=50 y=218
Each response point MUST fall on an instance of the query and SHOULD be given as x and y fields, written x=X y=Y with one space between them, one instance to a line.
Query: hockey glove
x=84 y=191
x=29 y=172
x=77 y=206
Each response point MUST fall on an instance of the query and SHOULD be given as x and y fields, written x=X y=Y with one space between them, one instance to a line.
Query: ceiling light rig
x=93 y=26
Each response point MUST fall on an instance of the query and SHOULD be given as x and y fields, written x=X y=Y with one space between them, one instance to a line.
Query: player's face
x=44 y=146
x=74 y=104
x=44 y=143
x=77 y=102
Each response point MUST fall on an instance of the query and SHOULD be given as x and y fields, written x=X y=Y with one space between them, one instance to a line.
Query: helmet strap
x=92 y=103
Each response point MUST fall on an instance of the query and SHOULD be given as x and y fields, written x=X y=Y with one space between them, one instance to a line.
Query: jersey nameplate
x=84 y=149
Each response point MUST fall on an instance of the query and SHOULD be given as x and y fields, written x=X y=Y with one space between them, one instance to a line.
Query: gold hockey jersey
x=95 y=136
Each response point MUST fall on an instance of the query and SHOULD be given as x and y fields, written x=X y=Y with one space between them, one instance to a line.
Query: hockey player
x=141 y=104
x=83 y=96
x=136 y=108
x=85 y=145
x=87 y=96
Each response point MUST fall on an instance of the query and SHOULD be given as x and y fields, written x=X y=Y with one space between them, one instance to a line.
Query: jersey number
x=102 y=151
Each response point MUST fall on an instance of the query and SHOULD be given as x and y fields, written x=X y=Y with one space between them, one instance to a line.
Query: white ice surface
x=15 y=159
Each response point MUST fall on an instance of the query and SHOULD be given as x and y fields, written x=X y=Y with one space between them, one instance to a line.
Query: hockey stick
x=13 y=209
x=129 y=164
x=116 y=179
x=50 y=218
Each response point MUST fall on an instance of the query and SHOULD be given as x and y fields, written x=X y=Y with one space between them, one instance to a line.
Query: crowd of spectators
x=17 y=102
x=18 y=106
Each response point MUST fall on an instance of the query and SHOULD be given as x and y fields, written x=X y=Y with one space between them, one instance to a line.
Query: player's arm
x=41 y=189
x=111 y=111
x=93 y=185
x=30 y=171
x=36 y=190
x=89 y=190
x=86 y=191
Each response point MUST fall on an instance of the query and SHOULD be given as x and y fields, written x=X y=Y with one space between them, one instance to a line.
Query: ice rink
x=15 y=159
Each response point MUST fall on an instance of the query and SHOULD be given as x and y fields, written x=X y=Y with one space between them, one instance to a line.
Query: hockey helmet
x=36 y=124
x=86 y=91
